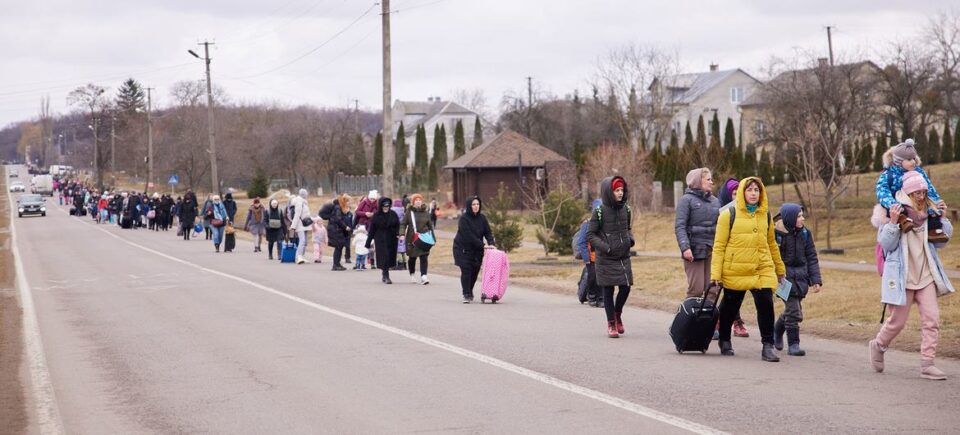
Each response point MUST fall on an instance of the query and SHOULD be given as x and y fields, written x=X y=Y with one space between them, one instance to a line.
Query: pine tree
x=731 y=159
x=579 y=158
x=878 y=149
x=442 y=161
x=432 y=176
x=130 y=97
x=400 y=164
x=420 y=163
x=779 y=165
x=688 y=136
x=920 y=143
x=956 y=144
x=863 y=158
x=459 y=141
x=259 y=184
x=701 y=141
x=749 y=167
x=948 y=147
x=378 y=154
x=933 y=147
x=671 y=161
x=358 y=160
x=477 y=134
x=764 y=171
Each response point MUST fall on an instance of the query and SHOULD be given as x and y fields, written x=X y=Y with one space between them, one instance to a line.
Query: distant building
x=514 y=160
x=430 y=114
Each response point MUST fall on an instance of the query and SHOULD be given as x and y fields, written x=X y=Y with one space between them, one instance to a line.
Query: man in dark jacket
x=231 y=206
x=472 y=229
x=803 y=270
x=610 y=235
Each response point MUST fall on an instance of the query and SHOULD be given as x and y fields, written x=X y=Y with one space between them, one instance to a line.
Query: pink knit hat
x=913 y=181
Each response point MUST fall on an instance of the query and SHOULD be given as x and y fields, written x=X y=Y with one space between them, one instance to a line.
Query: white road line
x=498 y=363
x=48 y=414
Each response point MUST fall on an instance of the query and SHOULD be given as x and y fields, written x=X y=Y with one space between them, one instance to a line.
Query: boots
x=726 y=348
x=876 y=355
x=619 y=323
x=612 y=329
x=778 y=330
x=931 y=372
x=793 y=340
x=769 y=354
x=739 y=330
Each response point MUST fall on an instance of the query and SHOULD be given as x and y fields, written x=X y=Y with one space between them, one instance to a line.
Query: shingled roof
x=504 y=151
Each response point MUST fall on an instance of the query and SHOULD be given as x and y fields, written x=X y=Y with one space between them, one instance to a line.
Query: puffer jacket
x=890 y=181
x=746 y=257
x=893 y=284
x=609 y=234
x=799 y=255
x=696 y=222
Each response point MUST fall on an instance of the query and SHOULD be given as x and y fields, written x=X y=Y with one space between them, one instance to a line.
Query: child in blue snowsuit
x=898 y=161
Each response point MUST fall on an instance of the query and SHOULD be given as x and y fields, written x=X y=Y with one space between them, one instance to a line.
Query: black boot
x=726 y=348
x=778 y=334
x=769 y=354
x=793 y=339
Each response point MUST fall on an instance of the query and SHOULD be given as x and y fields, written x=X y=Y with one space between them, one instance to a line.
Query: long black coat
x=383 y=231
x=188 y=211
x=337 y=234
x=472 y=229
x=609 y=234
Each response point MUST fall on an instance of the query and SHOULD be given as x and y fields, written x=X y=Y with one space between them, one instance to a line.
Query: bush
x=559 y=219
x=259 y=185
x=506 y=229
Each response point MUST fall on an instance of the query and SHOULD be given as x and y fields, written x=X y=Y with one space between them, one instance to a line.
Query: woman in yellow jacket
x=746 y=257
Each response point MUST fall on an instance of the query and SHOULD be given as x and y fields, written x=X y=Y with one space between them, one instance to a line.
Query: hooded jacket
x=797 y=250
x=275 y=234
x=746 y=257
x=472 y=229
x=696 y=221
x=383 y=230
x=890 y=181
x=609 y=234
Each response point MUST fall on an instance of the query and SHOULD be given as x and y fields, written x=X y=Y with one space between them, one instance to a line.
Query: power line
x=280 y=28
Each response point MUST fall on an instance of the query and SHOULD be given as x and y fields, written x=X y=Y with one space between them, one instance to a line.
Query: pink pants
x=317 y=251
x=926 y=299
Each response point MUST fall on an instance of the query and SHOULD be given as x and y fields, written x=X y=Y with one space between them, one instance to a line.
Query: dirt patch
x=13 y=412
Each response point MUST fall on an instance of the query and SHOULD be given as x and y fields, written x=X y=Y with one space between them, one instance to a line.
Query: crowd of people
x=731 y=242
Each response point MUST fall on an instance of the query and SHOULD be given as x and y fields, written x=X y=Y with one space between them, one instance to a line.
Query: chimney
x=823 y=62
x=714 y=67
x=429 y=99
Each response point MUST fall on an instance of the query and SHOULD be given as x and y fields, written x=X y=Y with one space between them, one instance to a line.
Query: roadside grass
x=13 y=411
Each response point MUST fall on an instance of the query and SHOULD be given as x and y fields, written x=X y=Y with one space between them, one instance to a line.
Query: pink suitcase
x=496 y=271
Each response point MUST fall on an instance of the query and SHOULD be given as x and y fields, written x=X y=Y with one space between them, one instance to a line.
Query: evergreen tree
x=779 y=165
x=701 y=141
x=130 y=97
x=432 y=176
x=477 y=134
x=378 y=154
x=948 y=149
x=894 y=140
x=400 y=162
x=933 y=147
x=358 y=160
x=459 y=141
x=420 y=162
x=259 y=185
x=764 y=171
x=863 y=158
x=956 y=144
x=749 y=167
x=579 y=158
x=878 y=149
x=688 y=136
x=443 y=160
x=731 y=158
x=671 y=161
x=920 y=143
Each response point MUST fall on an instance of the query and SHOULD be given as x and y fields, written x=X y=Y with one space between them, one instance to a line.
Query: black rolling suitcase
x=229 y=242
x=693 y=326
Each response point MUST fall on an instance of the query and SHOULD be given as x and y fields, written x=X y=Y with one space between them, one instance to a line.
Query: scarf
x=919 y=217
x=257 y=213
x=752 y=208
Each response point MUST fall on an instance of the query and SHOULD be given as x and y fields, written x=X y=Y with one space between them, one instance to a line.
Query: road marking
x=48 y=414
x=617 y=402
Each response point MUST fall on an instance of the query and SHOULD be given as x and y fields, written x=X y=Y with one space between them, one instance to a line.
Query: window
x=760 y=128
x=736 y=95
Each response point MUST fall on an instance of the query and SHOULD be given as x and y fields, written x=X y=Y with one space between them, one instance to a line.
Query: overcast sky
x=49 y=47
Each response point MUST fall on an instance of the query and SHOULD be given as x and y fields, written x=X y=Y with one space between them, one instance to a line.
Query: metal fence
x=356 y=184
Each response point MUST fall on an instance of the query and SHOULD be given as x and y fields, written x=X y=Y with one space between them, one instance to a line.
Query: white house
x=430 y=114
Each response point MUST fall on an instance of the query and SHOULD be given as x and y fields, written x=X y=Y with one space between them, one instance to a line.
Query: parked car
x=31 y=204
x=17 y=186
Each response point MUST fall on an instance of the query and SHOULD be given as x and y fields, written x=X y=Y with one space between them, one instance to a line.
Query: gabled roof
x=428 y=111
x=505 y=151
x=757 y=98
x=693 y=85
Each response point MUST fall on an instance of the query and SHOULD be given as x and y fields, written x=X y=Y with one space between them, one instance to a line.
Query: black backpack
x=326 y=212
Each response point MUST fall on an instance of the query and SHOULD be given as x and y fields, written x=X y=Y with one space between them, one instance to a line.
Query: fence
x=356 y=184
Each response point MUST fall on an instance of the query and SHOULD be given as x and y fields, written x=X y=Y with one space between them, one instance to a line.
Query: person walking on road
x=417 y=212
x=207 y=216
x=468 y=248
x=338 y=230
x=799 y=255
x=746 y=257
x=187 y=213
x=384 y=227
x=276 y=228
x=300 y=222
x=256 y=223
x=695 y=227
x=592 y=293
x=231 y=206
x=912 y=274
x=610 y=234
x=219 y=220
x=728 y=193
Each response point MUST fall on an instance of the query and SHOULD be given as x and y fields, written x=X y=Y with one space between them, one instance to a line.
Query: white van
x=42 y=184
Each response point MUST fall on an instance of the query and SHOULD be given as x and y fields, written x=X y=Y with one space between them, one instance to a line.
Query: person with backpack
x=610 y=233
x=468 y=249
x=728 y=193
x=384 y=227
x=276 y=228
x=912 y=273
x=588 y=290
x=695 y=227
x=799 y=255
x=338 y=230
x=416 y=220
x=300 y=222
x=219 y=220
x=256 y=223
x=746 y=258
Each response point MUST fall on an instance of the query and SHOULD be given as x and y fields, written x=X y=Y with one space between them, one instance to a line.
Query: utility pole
x=529 y=104
x=146 y=188
x=830 y=43
x=96 y=153
x=211 y=130
x=388 y=147
x=113 y=144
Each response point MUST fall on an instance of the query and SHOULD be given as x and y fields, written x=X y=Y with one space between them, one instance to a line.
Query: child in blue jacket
x=898 y=161
x=799 y=255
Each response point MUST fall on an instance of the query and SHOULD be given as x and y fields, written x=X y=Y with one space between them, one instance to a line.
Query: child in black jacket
x=803 y=271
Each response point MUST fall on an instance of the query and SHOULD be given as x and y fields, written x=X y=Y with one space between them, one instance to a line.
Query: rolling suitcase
x=229 y=242
x=288 y=253
x=496 y=271
x=693 y=326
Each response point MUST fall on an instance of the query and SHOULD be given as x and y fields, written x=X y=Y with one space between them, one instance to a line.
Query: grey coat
x=609 y=234
x=696 y=222
x=893 y=285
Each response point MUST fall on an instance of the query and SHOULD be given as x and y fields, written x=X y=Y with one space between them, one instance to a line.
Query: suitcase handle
x=706 y=293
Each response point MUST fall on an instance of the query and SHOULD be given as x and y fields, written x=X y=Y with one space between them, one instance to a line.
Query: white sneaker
x=414 y=279
x=300 y=260
x=424 y=280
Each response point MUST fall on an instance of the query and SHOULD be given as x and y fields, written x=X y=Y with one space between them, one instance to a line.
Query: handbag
x=152 y=214
x=307 y=221
x=216 y=223
x=423 y=241
x=274 y=223
x=229 y=229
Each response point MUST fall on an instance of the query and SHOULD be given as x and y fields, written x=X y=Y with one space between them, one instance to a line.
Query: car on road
x=42 y=185
x=14 y=174
x=31 y=204
x=17 y=186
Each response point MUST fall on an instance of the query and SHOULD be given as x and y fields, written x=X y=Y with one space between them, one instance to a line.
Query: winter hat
x=904 y=151
x=596 y=203
x=617 y=183
x=415 y=197
x=913 y=182
x=695 y=178
x=373 y=195
x=303 y=193
x=732 y=185
x=789 y=212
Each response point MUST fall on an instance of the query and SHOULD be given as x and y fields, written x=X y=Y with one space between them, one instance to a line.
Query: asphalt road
x=145 y=333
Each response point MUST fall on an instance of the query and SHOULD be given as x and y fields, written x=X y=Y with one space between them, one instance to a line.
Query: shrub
x=506 y=228
x=259 y=185
x=559 y=220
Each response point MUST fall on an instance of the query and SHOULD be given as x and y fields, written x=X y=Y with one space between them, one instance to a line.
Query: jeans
x=361 y=261
x=730 y=306
x=217 y=234
x=611 y=308
x=301 y=242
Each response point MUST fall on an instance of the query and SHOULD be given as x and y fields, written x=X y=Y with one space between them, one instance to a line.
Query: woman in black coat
x=338 y=230
x=384 y=226
x=472 y=229
x=609 y=232
x=187 y=213
x=276 y=224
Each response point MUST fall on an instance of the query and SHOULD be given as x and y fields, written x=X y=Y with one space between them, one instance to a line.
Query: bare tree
x=46 y=130
x=943 y=37
x=907 y=84
x=193 y=93
x=92 y=98
x=474 y=99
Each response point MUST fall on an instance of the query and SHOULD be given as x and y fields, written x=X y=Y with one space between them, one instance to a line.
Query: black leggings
x=270 y=244
x=412 y=263
x=730 y=306
x=337 y=255
x=611 y=308
x=468 y=279
x=186 y=232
